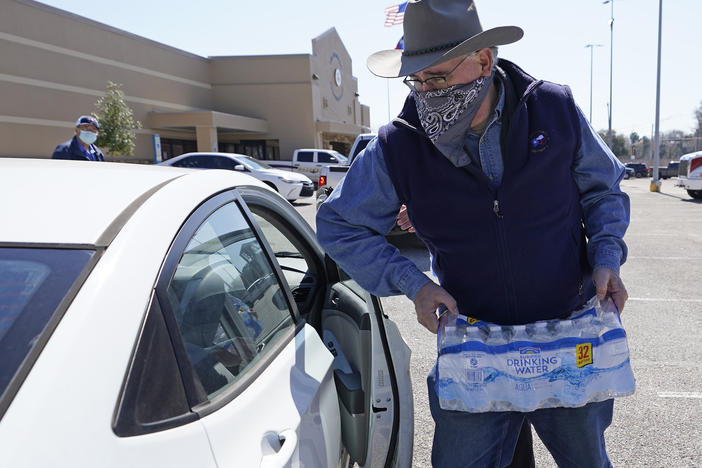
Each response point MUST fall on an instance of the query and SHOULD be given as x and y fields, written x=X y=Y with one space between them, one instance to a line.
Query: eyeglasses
x=434 y=82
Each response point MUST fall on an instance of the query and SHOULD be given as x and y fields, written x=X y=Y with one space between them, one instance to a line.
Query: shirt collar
x=497 y=113
x=89 y=152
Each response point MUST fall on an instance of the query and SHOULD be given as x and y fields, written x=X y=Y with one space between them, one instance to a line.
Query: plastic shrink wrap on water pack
x=555 y=363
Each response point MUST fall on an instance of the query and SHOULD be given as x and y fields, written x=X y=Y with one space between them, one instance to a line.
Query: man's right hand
x=427 y=300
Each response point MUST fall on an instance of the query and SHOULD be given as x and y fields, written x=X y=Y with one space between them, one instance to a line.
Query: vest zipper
x=507 y=270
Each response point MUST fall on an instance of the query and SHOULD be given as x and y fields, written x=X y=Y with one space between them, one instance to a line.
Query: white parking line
x=664 y=258
x=660 y=299
x=679 y=394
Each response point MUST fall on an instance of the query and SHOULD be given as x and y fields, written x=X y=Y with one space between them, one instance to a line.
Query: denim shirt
x=484 y=150
x=352 y=222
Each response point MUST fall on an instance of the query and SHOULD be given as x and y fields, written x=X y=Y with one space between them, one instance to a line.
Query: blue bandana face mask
x=446 y=114
x=88 y=137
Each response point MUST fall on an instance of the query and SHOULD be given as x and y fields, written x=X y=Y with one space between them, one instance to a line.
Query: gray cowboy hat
x=437 y=31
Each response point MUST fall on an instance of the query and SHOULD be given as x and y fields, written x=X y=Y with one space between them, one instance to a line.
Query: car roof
x=202 y=153
x=79 y=202
x=688 y=156
x=317 y=149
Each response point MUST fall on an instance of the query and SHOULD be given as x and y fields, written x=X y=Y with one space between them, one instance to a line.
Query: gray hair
x=493 y=50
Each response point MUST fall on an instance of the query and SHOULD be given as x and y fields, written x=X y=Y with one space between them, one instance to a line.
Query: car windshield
x=33 y=283
x=252 y=163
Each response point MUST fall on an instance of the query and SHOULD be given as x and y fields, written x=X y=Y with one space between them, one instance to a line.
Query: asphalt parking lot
x=661 y=424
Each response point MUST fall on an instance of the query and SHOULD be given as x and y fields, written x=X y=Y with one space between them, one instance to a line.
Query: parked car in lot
x=154 y=316
x=640 y=169
x=690 y=174
x=290 y=185
x=309 y=161
x=671 y=170
x=329 y=176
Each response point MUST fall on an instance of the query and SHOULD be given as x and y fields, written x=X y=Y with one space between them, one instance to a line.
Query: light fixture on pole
x=655 y=183
x=591 y=47
x=611 y=50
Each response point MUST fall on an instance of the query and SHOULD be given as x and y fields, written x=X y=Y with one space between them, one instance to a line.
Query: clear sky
x=553 y=47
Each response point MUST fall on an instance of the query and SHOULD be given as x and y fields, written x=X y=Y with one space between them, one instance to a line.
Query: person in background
x=81 y=147
x=516 y=198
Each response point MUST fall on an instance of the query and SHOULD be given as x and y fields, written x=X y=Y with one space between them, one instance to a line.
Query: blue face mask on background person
x=446 y=114
x=88 y=137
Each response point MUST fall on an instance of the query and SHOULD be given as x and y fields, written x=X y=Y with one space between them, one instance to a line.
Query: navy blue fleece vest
x=511 y=255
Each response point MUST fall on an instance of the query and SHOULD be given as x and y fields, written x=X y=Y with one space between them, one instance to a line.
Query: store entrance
x=171 y=147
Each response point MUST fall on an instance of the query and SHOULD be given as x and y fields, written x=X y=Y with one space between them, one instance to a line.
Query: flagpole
x=394 y=15
x=387 y=81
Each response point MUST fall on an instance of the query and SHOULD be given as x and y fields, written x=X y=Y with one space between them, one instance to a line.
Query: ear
x=485 y=60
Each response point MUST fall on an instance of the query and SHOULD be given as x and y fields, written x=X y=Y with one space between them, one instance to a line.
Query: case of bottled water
x=555 y=363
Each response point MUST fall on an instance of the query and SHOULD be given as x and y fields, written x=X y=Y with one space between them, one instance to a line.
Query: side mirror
x=239 y=167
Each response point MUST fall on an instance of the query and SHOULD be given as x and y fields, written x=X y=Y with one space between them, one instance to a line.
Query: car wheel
x=638 y=175
x=696 y=194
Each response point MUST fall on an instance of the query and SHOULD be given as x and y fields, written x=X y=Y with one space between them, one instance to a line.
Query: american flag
x=401 y=44
x=395 y=14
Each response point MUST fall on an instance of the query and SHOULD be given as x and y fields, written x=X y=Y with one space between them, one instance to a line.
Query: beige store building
x=56 y=64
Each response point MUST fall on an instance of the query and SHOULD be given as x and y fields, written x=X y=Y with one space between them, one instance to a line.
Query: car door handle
x=283 y=448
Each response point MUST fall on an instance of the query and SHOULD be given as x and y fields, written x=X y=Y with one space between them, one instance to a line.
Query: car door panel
x=371 y=402
x=286 y=417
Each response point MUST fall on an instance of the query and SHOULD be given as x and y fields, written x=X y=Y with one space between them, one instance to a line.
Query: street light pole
x=655 y=183
x=611 y=54
x=591 y=47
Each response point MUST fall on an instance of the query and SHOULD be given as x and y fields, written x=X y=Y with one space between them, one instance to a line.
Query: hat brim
x=393 y=63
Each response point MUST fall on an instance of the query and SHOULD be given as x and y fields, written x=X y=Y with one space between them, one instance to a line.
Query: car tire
x=638 y=175
x=696 y=194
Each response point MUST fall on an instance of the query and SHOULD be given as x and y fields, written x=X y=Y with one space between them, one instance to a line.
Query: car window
x=226 y=163
x=226 y=299
x=187 y=162
x=340 y=157
x=305 y=156
x=295 y=263
x=359 y=147
x=33 y=282
x=253 y=163
x=203 y=162
x=326 y=158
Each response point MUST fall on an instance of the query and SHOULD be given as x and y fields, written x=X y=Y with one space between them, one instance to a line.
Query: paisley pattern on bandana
x=440 y=109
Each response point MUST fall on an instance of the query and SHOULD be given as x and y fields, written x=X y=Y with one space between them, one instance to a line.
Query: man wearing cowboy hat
x=516 y=198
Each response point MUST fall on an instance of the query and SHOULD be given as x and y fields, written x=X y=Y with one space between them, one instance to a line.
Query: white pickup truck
x=690 y=174
x=309 y=161
x=330 y=176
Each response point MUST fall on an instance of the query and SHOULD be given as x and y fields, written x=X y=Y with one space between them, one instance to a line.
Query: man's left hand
x=403 y=220
x=609 y=284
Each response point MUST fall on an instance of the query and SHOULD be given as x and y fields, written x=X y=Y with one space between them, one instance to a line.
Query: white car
x=290 y=185
x=153 y=316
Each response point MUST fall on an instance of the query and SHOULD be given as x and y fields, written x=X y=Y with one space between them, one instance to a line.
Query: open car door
x=371 y=373
x=370 y=365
